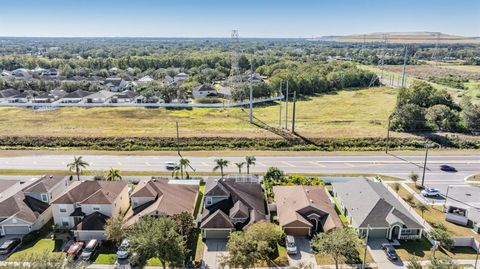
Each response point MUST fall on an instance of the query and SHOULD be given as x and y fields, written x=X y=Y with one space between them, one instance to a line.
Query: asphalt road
x=399 y=166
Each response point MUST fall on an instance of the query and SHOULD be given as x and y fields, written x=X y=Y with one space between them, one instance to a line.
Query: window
x=63 y=209
x=65 y=222
x=96 y=208
x=208 y=200
x=44 y=197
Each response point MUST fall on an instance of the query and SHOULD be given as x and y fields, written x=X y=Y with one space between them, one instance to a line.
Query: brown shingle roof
x=22 y=207
x=44 y=184
x=295 y=203
x=93 y=222
x=91 y=192
x=217 y=220
x=170 y=199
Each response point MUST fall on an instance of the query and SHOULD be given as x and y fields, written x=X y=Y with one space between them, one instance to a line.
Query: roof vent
x=307 y=190
x=51 y=177
x=22 y=182
x=311 y=201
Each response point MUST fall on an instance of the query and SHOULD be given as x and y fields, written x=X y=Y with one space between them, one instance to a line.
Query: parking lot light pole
x=425 y=164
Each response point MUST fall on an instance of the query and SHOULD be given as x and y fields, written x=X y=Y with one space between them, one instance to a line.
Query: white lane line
x=317 y=164
x=288 y=164
x=148 y=164
x=119 y=163
x=204 y=164
x=260 y=164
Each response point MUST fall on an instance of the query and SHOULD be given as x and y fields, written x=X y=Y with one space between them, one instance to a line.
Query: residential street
x=392 y=165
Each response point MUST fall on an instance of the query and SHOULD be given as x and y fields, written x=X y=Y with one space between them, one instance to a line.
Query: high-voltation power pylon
x=235 y=74
x=381 y=61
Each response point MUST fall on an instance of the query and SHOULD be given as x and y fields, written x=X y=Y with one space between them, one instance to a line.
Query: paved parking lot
x=305 y=254
x=379 y=256
x=214 y=250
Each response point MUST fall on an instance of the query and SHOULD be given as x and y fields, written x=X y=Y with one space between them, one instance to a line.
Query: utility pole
x=178 y=141
x=446 y=198
x=425 y=164
x=404 y=66
x=286 y=109
x=388 y=133
x=293 y=114
x=476 y=259
x=251 y=92
x=280 y=106
x=366 y=244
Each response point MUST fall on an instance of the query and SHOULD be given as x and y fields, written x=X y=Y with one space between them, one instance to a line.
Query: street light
x=425 y=163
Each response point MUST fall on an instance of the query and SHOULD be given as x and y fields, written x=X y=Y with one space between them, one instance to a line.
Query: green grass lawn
x=42 y=245
x=362 y=113
x=106 y=254
x=278 y=259
x=358 y=259
x=422 y=249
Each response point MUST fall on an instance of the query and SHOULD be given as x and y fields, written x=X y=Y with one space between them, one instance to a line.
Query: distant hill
x=404 y=37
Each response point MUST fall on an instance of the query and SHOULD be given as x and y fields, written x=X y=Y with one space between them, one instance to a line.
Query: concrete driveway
x=379 y=256
x=5 y=238
x=213 y=252
x=305 y=254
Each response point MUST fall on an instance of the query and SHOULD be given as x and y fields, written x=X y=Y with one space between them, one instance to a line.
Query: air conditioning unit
x=476 y=227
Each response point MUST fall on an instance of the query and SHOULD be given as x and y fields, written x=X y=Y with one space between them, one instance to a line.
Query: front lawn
x=278 y=259
x=357 y=258
x=42 y=245
x=422 y=249
x=106 y=254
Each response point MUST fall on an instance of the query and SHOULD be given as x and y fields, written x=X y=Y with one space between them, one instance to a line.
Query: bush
x=208 y=100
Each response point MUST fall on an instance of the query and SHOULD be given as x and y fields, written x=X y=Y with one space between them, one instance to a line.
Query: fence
x=153 y=105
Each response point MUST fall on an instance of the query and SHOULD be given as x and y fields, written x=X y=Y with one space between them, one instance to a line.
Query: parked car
x=291 y=247
x=430 y=192
x=170 y=165
x=89 y=250
x=122 y=252
x=9 y=245
x=447 y=168
x=76 y=248
x=390 y=252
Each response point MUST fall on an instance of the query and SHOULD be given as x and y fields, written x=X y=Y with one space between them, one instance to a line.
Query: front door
x=395 y=232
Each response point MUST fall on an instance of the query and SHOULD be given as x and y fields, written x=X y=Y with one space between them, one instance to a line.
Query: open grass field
x=348 y=113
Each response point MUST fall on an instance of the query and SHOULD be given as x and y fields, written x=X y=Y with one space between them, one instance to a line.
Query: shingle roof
x=45 y=183
x=91 y=192
x=203 y=88
x=5 y=184
x=93 y=222
x=371 y=203
x=22 y=207
x=217 y=220
x=170 y=199
x=77 y=94
x=8 y=93
x=101 y=95
x=295 y=203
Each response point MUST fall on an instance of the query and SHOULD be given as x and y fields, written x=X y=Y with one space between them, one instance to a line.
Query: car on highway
x=291 y=246
x=447 y=168
x=122 y=252
x=170 y=165
x=75 y=249
x=390 y=252
x=89 y=250
x=8 y=246
x=430 y=192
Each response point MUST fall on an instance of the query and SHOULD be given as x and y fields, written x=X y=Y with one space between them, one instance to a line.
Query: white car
x=122 y=252
x=430 y=192
x=291 y=247
x=170 y=165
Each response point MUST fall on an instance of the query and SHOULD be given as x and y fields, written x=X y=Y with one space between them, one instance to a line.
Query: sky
x=252 y=18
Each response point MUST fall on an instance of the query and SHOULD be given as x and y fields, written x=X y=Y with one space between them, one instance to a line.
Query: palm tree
x=113 y=174
x=250 y=160
x=240 y=166
x=183 y=166
x=220 y=164
x=77 y=165
x=175 y=171
x=422 y=207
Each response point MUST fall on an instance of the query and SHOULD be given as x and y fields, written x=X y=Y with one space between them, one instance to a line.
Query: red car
x=75 y=248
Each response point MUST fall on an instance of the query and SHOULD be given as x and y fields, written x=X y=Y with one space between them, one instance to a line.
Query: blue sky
x=216 y=18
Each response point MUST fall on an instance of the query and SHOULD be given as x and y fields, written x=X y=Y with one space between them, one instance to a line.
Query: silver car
x=291 y=247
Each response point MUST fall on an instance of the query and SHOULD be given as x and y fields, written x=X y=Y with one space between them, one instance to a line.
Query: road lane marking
x=204 y=164
x=260 y=164
x=288 y=164
x=148 y=164
x=317 y=164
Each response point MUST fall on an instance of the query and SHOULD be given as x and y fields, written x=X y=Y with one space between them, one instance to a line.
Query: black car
x=390 y=252
x=9 y=245
x=447 y=168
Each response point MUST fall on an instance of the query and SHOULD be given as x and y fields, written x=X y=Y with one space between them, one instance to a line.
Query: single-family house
x=22 y=97
x=102 y=96
x=463 y=205
x=203 y=91
x=145 y=79
x=75 y=97
x=116 y=84
x=86 y=205
x=42 y=97
x=168 y=79
x=22 y=74
x=255 y=78
x=161 y=196
x=58 y=93
x=369 y=206
x=231 y=205
x=6 y=94
x=6 y=75
x=305 y=210
x=128 y=96
x=180 y=77
x=24 y=205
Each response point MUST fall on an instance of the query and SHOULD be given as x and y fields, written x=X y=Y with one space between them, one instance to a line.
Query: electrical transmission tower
x=235 y=74
x=381 y=61
x=435 y=51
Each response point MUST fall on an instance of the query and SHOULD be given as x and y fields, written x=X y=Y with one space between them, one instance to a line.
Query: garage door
x=16 y=229
x=297 y=231
x=377 y=233
x=216 y=234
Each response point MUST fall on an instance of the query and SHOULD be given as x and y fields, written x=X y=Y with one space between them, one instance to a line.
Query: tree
x=175 y=171
x=443 y=237
x=413 y=263
x=470 y=114
x=337 y=244
x=250 y=160
x=77 y=165
x=396 y=187
x=442 y=263
x=115 y=230
x=184 y=163
x=157 y=237
x=240 y=166
x=274 y=174
x=257 y=243
x=422 y=207
x=220 y=164
x=409 y=117
x=442 y=118
x=185 y=223
x=113 y=174
x=414 y=177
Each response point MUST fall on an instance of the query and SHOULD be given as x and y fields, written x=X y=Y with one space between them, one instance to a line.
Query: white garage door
x=16 y=230
x=217 y=234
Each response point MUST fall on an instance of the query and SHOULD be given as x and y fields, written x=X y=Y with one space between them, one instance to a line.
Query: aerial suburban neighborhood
x=240 y=134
